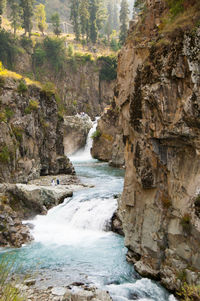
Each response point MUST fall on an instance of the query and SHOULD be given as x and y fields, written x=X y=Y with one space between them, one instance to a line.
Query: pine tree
x=84 y=18
x=93 y=9
x=2 y=5
x=101 y=14
x=75 y=18
x=55 y=20
x=40 y=16
x=27 y=14
x=15 y=15
x=124 y=11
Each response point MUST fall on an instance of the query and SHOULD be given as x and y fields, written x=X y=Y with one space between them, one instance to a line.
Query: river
x=73 y=241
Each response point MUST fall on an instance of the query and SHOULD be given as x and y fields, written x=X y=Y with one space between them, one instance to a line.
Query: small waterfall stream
x=73 y=241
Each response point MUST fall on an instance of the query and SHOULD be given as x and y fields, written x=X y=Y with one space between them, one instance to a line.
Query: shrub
x=96 y=134
x=22 y=87
x=49 y=88
x=108 y=69
x=18 y=132
x=8 y=291
x=189 y=292
x=33 y=106
x=9 y=113
x=186 y=222
x=4 y=154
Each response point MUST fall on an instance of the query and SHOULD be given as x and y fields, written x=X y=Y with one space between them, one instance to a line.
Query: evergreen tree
x=27 y=13
x=124 y=12
x=93 y=9
x=55 y=20
x=40 y=16
x=109 y=22
x=75 y=18
x=15 y=15
x=101 y=15
x=2 y=5
x=115 y=17
x=84 y=18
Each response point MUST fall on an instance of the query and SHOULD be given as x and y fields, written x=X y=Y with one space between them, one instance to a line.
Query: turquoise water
x=73 y=241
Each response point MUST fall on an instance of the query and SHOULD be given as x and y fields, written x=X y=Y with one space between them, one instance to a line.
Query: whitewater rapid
x=73 y=242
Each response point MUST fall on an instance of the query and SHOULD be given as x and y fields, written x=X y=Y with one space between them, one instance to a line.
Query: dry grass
x=7 y=73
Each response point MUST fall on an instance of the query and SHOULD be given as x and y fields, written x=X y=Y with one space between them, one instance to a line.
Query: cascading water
x=73 y=241
x=84 y=153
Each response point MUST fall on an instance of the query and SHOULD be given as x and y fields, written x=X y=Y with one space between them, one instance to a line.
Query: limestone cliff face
x=31 y=135
x=107 y=143
x=158 y=92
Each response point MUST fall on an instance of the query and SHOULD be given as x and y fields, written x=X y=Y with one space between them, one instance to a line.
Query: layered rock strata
x=158 y=93
x=31 y=136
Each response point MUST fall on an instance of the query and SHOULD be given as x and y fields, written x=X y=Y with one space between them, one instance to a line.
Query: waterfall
x=84 y=153
x=75 y=221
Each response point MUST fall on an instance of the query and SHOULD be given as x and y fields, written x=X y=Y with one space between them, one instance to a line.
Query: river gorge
x=73 y=242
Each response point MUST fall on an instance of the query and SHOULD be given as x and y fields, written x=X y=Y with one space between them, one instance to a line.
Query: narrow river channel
x=73 y=241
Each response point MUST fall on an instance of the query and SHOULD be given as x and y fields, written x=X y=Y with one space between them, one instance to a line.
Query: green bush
x=22 y=87
x=108 y=69
x=4 y=154
x=189 y=292
x=32 y=106
x=96 y=134
x=8 y=49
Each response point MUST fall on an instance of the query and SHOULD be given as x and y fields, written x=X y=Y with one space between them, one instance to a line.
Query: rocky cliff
x=108 y=140
x=158 y=93
x=31 y=136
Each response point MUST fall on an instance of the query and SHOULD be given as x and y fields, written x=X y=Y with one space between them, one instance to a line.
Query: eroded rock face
x=76 y=129
x=108 y=142
x=31 y=136
x=159 y=98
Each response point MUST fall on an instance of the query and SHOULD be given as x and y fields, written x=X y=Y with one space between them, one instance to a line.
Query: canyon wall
x=31 y=136
x=158 y=95
x=108 y=140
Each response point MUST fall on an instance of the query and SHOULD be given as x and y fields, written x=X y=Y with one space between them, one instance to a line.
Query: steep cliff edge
x=31 y=136
x=158 y=93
